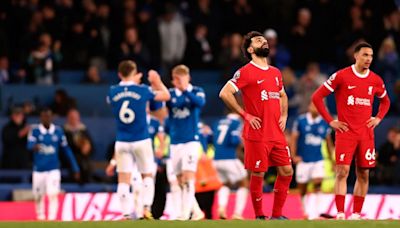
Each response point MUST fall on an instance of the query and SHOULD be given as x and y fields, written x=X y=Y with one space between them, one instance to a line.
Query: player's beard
x=261 y=52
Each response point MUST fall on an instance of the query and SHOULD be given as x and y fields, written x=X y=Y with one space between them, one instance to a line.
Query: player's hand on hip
x=254 y=121
x=282 y=122
x=153 y=77
x=339 y=125
x=373 y=122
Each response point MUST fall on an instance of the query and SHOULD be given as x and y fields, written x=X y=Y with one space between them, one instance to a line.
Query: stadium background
x=309 y=40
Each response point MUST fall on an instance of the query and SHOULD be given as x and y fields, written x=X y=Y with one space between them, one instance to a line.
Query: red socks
x=256 y=192
x=358 y=204
x=281 y=189
x=339 y=199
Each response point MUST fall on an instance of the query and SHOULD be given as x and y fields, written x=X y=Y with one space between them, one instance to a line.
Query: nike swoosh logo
x=259 y=81
x=371 y=162
x=258 y=199
x=351 y=87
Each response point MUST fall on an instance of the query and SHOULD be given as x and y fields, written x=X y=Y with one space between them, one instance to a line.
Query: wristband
x=113 y=162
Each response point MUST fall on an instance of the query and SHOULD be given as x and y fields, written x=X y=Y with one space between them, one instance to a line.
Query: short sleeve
x=156 y=105
x=150 y=94
x=381 y=89
x=332 y=82
x=238 y=80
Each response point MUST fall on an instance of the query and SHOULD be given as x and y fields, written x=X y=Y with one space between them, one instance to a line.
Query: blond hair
x=181 y=70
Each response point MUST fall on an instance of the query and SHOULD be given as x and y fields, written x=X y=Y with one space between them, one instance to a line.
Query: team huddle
x=259 y=125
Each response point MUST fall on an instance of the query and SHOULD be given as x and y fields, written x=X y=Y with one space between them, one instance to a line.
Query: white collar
x=233 y=116
x=353 y=68
x=43 y=130
x=189 y=89
x=311 y=120
x=127 y=83
x=258 y=66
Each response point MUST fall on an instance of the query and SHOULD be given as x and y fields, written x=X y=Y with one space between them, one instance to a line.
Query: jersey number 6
x=126 y=115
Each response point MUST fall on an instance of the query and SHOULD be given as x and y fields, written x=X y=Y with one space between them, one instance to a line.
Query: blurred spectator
x=99 y=36
x=133 y=48
x=92 y=76
x=14 y=138
x=198 y=52
x=308 y=83
x=42 y=61
x=173 y=37
x=388 y=62
x=5 y=76
x=62 y=103
x=81 y=144
x=75 y=50
x=301 y=40
x=388 y=157
x=231 y=57
x=278 y=56
x=290 y=81
x=148 y=31
x=206 y=13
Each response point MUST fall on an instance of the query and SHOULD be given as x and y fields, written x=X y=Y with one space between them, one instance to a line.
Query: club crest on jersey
x=54 y=138
x=236 y=76
x=370 y=90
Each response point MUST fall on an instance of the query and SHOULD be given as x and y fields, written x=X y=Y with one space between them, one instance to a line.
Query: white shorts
x=136 y=176
x=171 y=176
x=230 y=170
x=307 y=171
x=139 y=152
x=184 y=157
x=46 y=182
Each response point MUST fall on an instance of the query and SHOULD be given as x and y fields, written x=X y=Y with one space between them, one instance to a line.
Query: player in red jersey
x=354 y=87
x=265 y=115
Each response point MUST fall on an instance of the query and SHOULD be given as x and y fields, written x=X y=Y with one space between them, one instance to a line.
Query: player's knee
x=285 y=170
x=342 y=173
x=363 y=176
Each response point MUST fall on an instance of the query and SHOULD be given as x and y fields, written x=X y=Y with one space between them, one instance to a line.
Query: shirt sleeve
x=150 y=94
x=279 y=81
x=156 y=105
x=332 y=83
x=238 y=80
x=381 y=90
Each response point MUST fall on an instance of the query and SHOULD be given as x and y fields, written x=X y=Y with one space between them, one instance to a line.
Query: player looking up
x=264 y=115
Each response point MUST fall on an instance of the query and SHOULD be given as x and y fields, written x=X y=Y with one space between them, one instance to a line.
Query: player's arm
x=294 y=138
x=161 y=91
x=284 y=109
x=198 y=99
x=227 y=95
x=384 y=105
x=318 y=99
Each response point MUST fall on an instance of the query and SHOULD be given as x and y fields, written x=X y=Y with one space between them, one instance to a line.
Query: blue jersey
x=49 y=141
x=154 y=126
x=226 y=137
x=184 y=114
x=129 y=102
x=311 y=134
x=156 y=105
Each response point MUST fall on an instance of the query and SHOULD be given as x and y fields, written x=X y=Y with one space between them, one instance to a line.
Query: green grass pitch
x=208 y=224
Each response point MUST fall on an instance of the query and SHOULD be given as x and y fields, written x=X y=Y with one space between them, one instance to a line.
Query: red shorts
x=362 y=150
x=258 y=156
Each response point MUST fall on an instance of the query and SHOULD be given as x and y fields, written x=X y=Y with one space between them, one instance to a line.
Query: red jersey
x=260 y=88
x=354 y=95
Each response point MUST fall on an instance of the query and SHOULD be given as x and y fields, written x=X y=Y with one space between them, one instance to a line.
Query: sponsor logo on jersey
x=44 y=149
x=180 y=113
x=351 y=100
x=265 y=95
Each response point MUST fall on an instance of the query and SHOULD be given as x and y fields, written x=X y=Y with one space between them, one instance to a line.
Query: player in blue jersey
x=184 y=115
x=45 y=140
x=308 y=133
x=231 y=171
x=129 y=101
